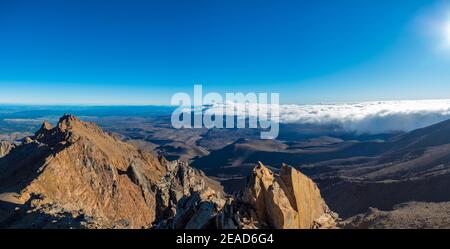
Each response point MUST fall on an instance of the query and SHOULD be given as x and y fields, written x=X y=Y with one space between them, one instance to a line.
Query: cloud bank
x=365 y=117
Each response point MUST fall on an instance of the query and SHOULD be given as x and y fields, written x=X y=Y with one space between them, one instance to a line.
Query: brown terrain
x=286 y=201
x=411 y=215
x=75 y=175
x=77 y=169
x=414 y=167
x=353 y=175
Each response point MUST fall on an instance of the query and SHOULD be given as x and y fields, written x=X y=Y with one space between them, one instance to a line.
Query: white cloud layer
x=365 y=117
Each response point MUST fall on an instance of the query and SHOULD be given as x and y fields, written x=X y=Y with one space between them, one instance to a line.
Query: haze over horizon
x=142 y=52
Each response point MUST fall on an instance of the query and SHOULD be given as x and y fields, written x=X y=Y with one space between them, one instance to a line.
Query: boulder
x=289 y=200
x=286 y=201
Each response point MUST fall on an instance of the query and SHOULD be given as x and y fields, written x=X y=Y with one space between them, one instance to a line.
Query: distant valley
x=355 y=172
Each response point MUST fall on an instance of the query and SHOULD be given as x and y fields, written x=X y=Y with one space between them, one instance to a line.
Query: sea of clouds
x=364 y=117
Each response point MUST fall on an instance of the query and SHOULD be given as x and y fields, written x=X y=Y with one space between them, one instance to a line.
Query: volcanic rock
x=5 y=148
x=79 y=168
x=180 y=181
x=75 y=175
x=289 y=200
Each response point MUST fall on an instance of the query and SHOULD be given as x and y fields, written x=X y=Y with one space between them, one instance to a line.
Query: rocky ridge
x=289 y=200
x=5 y=148
x=82 y=169
x=75 y=175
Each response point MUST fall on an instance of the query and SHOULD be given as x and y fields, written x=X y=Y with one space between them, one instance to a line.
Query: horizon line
x=169 y=105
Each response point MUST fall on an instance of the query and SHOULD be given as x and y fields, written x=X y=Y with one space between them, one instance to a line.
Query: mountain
x=230 y=163
x=5 y=148
x=412 y=215
x=414 y=167
x=77 y=169
x=353 y=175
x=75 y=175
x=288 y=200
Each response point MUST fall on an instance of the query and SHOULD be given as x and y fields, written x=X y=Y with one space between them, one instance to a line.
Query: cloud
x=365 y=117
x=24 y=120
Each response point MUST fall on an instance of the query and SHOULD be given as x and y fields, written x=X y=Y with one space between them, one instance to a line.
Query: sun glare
x=447 y=33
x=436 y=25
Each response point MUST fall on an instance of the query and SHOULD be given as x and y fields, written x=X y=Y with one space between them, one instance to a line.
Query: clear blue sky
x=141 y=52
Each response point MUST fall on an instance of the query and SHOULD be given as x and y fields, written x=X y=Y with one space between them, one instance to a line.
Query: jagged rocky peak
x=77 y=175
x=181 y=182
x=288 y=200
x=78 y=168
x=69 y=121
x=46 y=126
x=45 y=130
x=5 y=148
x=68 y=129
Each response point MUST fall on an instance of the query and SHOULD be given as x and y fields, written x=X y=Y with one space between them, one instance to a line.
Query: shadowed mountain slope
x=83 y=169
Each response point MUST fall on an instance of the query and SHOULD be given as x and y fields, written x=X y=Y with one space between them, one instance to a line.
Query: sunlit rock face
x=288 y=200
x=5 y=148
x=78 y=174
x=75 y=175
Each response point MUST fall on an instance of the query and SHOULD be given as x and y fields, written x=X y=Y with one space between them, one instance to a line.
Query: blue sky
x=142 y=52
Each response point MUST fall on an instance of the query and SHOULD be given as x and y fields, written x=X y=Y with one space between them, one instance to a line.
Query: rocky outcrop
x=79 y=168
x=75 y=175
x=289 y=200
x=195 y=211
x=5 y=148
x=180 y=181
